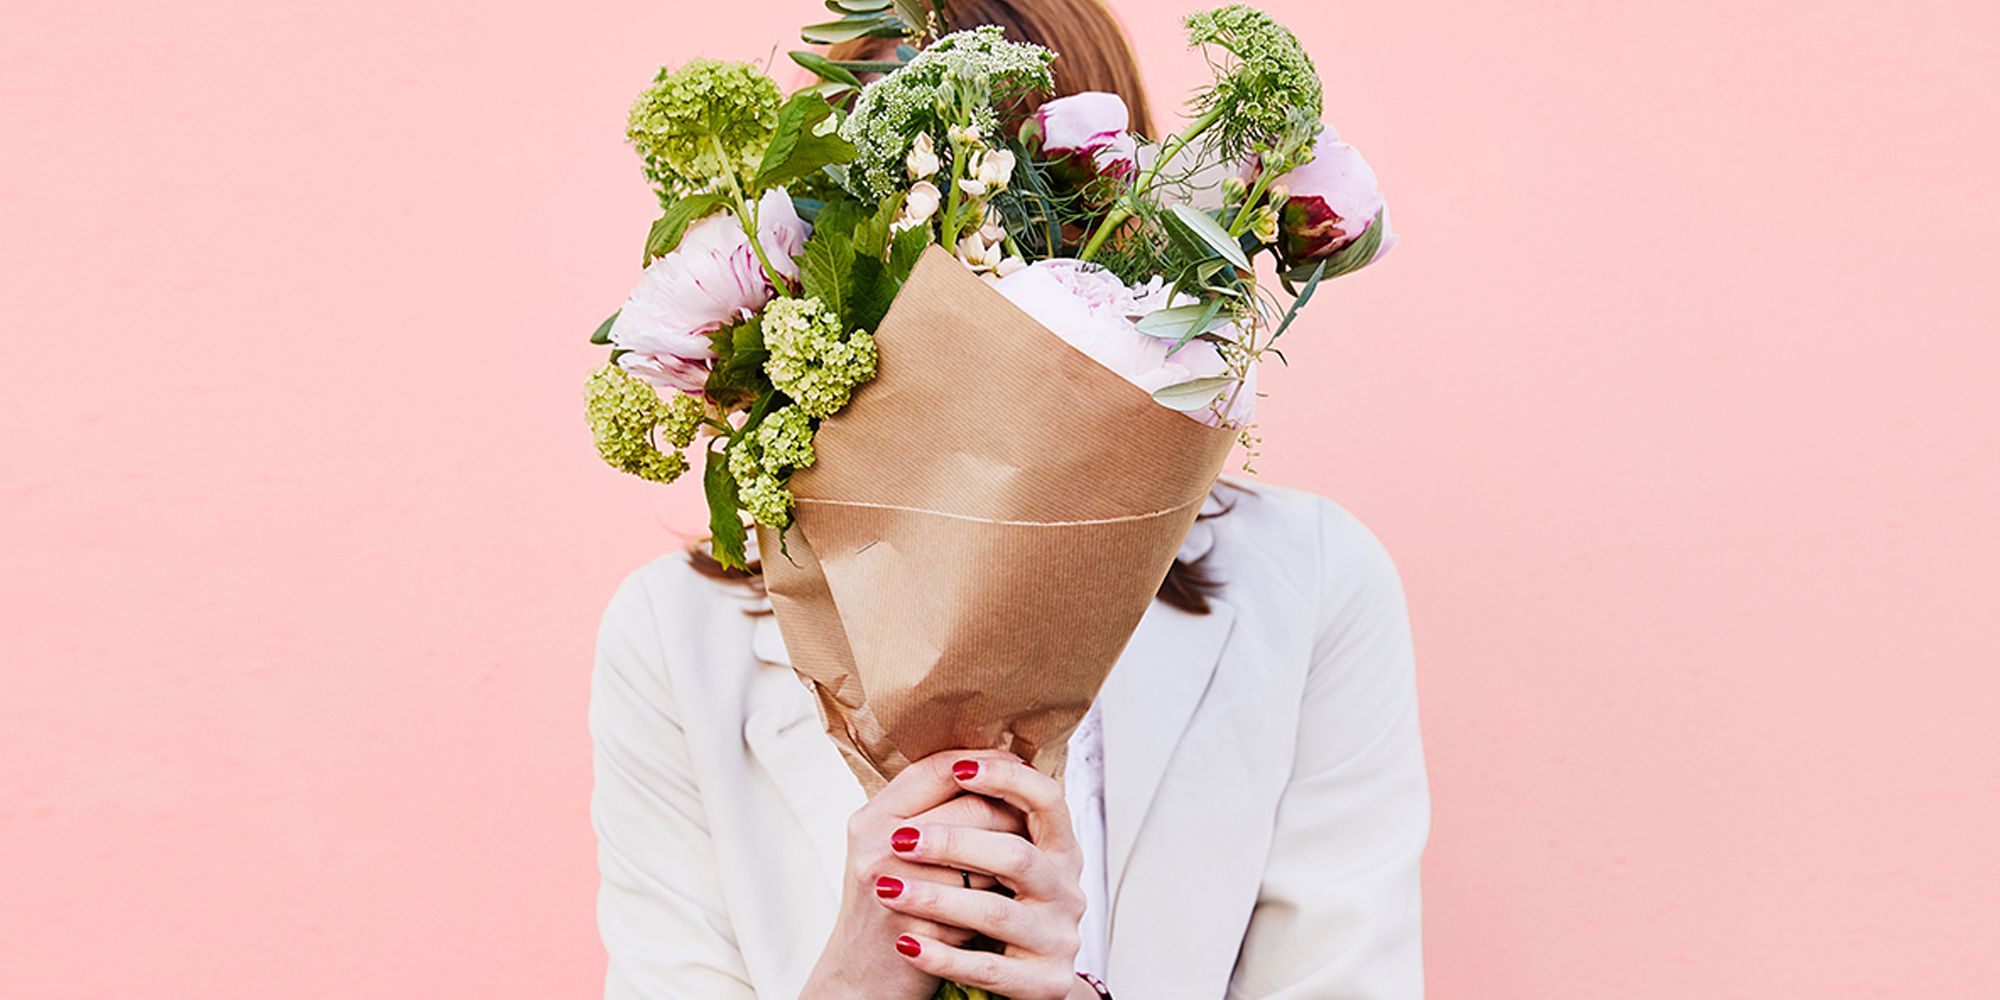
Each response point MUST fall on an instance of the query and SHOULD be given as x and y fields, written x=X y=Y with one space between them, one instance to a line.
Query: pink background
x=1676 y=406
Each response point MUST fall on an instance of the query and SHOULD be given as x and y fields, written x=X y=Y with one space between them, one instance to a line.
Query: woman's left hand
x=1038 y=927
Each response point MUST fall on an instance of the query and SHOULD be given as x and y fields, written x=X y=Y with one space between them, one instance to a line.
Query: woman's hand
x=1038 y=927
x=860 y=959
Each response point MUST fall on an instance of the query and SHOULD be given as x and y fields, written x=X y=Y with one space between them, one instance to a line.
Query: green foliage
x=826 y=268
x=824 y=68
x=727 y=537
x=801 y=145
x=674 y=222
x=602 y=335
x=737 y=377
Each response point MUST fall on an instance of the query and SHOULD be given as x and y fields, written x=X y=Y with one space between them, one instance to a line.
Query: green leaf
x=871 y=236
x=1193 y=395
x=1358 y=254
x=1201 y=324
x=797 y=147
x=603 y=334
x=671 y=225
x=904 y=251
x=858 y=6
x=852 y=27
x=738 y=375
x=826 y=268
x=870 y=295
x=725 y=525
x=1304 y=296
x=870 y=65
x=825 y=68
x=1180 y=322
x=914 y=13
x=1210 y=234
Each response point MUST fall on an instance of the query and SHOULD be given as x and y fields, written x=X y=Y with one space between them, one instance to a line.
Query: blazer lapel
x=783 y=733
x=1147 y=702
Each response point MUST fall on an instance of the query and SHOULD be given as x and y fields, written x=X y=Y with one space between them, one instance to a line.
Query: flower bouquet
x=967 y=369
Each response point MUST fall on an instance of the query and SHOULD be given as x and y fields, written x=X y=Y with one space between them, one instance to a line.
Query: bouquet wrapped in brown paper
x=964 y=566
x=970 y=370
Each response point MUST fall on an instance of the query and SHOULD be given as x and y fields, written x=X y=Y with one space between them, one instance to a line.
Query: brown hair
x=1092 y=53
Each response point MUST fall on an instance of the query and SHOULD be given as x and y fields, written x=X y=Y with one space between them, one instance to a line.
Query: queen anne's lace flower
x=811 y=360
x=700 y=121
x=630 y=420
x=1271 y=90
x=952 y=87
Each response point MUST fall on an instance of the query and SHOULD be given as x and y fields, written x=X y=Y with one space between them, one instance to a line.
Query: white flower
x=1009 y=265
x=920 y=204
x=963 y=135
x=995 y=168
x=1090 y=309
x=923 y=159
x=972 y=186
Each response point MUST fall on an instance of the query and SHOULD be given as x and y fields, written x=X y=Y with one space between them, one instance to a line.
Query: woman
x=1242 y=816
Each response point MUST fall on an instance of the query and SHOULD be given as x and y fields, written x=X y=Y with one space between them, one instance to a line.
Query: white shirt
x=1263 y=793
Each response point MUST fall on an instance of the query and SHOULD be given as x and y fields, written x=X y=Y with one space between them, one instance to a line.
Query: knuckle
x=1000 y=913
x=1020 y=858
x=986 y=968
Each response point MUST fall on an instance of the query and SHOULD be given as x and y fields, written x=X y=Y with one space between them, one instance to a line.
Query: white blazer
x=1265 y=797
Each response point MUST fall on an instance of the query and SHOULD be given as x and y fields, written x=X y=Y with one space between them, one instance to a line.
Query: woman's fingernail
x=904 y=840
x=908 y=946
x=965 y=770
x=888 y=888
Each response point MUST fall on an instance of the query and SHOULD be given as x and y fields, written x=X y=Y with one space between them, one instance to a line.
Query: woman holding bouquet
x=1243 y=810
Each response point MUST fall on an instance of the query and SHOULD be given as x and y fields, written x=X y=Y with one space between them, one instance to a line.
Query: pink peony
x=1331 y=201
x=1090 y=309
x=1084 y=137
x=710 y=281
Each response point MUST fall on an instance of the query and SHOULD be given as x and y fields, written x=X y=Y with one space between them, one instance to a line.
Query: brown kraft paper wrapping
x=984 y=525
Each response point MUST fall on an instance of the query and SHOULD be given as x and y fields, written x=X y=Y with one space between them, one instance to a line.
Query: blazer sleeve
x=659 y=907
x=1338 y=915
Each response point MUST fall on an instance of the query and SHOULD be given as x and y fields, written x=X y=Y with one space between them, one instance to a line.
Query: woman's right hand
x=859 y=960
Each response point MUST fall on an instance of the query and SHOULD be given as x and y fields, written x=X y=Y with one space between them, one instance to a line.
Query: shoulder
x=1274 y=539
x=668 y=629
x=669 y=590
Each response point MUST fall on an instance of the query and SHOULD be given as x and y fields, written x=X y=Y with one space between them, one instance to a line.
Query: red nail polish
x=888 y=888
x=908 y=946
x=904 y=840
x=965 y=770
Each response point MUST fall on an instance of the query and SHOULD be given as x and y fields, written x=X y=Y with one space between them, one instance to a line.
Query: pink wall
x=1676 y=405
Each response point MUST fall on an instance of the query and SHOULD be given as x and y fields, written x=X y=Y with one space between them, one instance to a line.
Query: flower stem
x=1141 y=187
x=1237 y=227
x=746 y=216
x=948 y=227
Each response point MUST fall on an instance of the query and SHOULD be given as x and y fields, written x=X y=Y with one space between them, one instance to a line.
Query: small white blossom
x=1008 y=266
x=964 y=135
x=995 y=168
x=920 y=204
x=923 y=159
x=972 y=186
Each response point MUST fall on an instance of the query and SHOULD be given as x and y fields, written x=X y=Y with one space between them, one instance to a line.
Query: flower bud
x=1326 y=203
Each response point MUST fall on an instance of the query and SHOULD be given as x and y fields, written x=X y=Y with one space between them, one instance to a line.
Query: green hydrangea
x=700 y=121
x=811 y=360
x=763 y=460
x=959 y=80
x=1270 y=91
x=629 y=420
